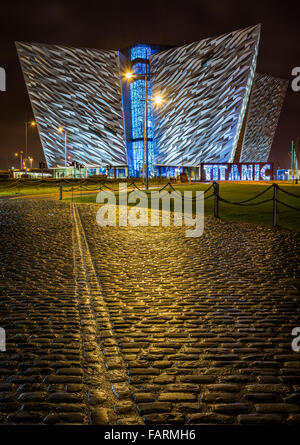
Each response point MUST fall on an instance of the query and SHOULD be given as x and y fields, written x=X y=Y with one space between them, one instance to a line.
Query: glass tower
x=140 y=62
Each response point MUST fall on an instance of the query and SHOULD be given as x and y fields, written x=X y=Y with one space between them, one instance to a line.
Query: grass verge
x=257 y=214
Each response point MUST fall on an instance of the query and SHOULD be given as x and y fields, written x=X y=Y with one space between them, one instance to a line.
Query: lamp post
x=32 y=124
x=145 y=144
x=63 y=130
x=20 y=153
x=157 y=100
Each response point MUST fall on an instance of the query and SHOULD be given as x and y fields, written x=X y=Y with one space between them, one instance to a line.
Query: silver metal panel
x=206 y=86
x=266 y=101
x=78 y=89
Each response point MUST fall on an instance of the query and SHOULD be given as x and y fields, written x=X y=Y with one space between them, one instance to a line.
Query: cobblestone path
x=144 y=325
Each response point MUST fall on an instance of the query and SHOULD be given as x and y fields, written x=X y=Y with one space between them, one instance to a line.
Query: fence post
x=275 y=205
x=216 y=200
x=60 y=192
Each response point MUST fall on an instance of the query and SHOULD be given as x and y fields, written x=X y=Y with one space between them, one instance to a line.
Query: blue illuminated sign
x=237 y=172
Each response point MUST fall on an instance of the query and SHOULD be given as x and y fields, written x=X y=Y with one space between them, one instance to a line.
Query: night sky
x=115 y=24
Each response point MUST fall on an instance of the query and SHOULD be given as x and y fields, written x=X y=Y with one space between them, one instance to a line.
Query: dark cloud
x=116 y=24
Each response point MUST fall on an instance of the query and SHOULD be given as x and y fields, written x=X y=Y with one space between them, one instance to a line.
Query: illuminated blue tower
x=137 y=59
x=140 y=62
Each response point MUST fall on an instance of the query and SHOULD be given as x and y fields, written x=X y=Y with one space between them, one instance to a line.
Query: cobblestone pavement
x=144 y=325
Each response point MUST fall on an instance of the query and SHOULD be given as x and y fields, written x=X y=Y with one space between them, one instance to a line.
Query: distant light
x=60 y=129
x=33 y=123
x=128 y=75
x=158 y=99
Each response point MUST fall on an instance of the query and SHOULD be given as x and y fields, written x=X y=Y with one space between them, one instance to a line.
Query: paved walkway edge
x=98 y=336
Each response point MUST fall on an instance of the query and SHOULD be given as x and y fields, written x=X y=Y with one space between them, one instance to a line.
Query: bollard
x=275 y=205
x=216 y=203
x=60 y=192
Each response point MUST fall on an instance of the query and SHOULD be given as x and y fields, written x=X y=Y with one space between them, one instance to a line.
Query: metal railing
x=97 y=185
x=247 y=202
x=215 y=194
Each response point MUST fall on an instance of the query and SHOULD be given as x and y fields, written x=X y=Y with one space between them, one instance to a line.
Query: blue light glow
x=234 y=173
x=215 y=172
x=207 y=169
x=257 y=172
x=140 y=52
x=263 y=171
x=222 y=169
x=247 y=172
x=137 y=148
x=137 y=97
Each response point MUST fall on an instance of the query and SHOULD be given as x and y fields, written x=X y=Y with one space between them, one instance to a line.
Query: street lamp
x=31 y=161
x=63 y=130
x=157 y=100
x=32 y=124
x=20 y=153
x=129 y=75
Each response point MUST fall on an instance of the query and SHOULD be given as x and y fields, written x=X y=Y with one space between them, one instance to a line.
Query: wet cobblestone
x=133 y=325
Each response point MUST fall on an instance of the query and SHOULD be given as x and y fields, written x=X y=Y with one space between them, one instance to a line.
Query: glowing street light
x=128 y=75
x=63 y=130
x=31 y=124
x=157 y=100
x=20 y=153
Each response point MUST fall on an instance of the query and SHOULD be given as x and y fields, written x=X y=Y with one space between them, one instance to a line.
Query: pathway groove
x=103 y=359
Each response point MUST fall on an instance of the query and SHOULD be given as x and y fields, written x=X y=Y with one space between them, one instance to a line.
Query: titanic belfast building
x=215 y=109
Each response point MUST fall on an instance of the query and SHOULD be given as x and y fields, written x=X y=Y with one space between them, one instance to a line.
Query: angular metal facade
x=216 y=109
x=207 y=86
x=78 y=89
x=266 y=101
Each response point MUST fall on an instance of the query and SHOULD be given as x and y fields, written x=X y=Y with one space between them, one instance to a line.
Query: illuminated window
x=138 y=149
x=140 y=52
